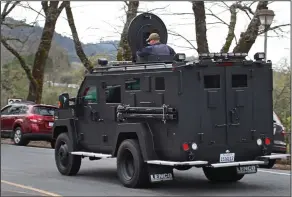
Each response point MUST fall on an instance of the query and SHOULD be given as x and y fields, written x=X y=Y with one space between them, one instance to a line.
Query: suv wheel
x=227 y=174
x=132 y=171
x=53 y=143
x=18 y=137
x=67 y=164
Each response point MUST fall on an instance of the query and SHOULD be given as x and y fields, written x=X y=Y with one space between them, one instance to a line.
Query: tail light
x=225 y=64
x=185 y=146
x=34 y=119
x=267 y=141
x=283 y=133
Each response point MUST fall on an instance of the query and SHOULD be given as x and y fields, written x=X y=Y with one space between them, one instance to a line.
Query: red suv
x=26 y=121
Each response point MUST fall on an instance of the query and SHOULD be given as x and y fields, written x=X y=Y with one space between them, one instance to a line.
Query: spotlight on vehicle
x=259 y=56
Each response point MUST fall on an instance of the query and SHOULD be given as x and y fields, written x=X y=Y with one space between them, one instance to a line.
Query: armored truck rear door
x=239 y=104
x=214 y=110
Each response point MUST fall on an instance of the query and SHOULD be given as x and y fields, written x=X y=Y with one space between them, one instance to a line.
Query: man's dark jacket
x=156 y=49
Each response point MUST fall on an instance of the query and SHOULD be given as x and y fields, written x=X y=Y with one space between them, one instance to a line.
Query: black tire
x=183 y=168
x=67 y=164
x=18 y=138
x=227 y=174
x=269 y=165
x=131 y=168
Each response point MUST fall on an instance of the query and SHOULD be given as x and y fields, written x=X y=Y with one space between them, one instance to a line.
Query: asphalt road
x=32 y=171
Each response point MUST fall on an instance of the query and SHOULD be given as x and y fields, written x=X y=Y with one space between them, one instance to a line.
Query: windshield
x=44 y=111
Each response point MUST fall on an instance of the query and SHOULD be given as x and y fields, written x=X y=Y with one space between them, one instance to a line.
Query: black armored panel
x=141 y=27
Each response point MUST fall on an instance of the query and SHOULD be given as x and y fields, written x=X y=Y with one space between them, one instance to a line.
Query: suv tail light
x=283 y=133
x=34 y=118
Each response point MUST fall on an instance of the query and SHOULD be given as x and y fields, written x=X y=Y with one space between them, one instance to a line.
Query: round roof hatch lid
x=141 y=27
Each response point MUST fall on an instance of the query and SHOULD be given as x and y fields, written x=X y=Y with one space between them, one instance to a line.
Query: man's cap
x=153 y=36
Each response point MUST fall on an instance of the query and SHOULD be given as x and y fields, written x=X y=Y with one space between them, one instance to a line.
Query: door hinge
x=104 y=138
x=201 y=137
x=81 y=136
x=251 y=73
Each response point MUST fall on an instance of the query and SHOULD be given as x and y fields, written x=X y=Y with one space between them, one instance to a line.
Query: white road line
x=280 y=173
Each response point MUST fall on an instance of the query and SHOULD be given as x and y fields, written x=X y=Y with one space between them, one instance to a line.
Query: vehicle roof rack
x=127 y=66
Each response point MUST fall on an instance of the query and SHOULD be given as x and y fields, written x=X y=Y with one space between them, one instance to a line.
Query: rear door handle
x=220 y=125
x=236 y=124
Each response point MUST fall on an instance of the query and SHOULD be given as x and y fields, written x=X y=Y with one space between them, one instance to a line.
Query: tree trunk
x=201 y=29
x=35 y=94
x=231 y=29
x=248 y=38
x=124 y=52
x=78 y=47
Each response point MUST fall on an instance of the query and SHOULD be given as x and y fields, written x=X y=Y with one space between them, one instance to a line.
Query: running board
x=87 y=154
x=176 y=163
x=276 y=156
x=240 y=163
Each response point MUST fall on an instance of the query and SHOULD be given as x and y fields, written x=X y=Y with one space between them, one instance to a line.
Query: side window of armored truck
x=113 y=94
x=132 y=84
x=159 y=83
x=91 y=94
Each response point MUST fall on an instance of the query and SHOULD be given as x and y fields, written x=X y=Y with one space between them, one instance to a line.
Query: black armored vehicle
x=161 y=113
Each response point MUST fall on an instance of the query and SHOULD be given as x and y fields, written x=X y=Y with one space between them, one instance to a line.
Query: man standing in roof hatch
x=156 y=47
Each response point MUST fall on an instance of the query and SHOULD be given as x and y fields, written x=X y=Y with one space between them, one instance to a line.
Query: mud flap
x=160 y=173
x=250 y=169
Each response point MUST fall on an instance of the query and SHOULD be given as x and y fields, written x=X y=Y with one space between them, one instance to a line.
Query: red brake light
x=267 y=141
x=283 y=133
x=34 y=118
x=225 y=64
x=185 y=147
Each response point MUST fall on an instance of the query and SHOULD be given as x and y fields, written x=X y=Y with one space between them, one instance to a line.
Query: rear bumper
x=262 y=160
x=279 y=149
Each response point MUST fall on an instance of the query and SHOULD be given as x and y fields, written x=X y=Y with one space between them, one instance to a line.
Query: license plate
x=51 y=124
x=227 y=157
x=246 y=169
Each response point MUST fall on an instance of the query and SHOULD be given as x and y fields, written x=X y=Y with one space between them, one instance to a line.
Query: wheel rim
x=127 y=165
x=17 y=136
x=63 y=154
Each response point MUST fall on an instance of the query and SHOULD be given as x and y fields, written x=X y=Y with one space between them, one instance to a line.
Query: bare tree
x=247 y=38
x=52 y=11
x=78 y=46
x=124 y=52
x=8 y=7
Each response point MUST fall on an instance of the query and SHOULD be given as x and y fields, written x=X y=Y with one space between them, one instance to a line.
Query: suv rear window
x=44 y=111
x=276 y=119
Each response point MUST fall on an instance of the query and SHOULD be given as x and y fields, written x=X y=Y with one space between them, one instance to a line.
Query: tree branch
x=231 y=28
x=21 y=61
x=45 y=7
x=247 y=39
x=78 y=46
x=5 y=11
x=177 y=34
x=273 y=28
x=62 y=6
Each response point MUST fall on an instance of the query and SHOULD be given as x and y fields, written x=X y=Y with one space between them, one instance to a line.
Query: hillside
x=62 y=51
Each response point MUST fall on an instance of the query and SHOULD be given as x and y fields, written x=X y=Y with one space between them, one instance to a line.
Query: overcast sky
x=101 y=20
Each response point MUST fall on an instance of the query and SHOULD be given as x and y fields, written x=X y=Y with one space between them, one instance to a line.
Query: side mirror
x=64 y=101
